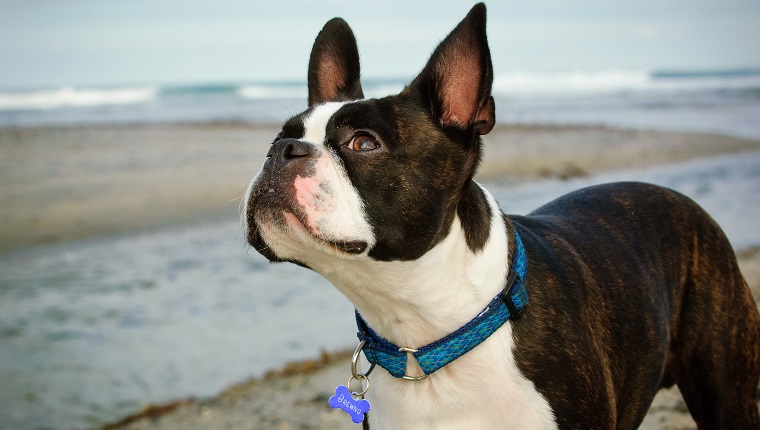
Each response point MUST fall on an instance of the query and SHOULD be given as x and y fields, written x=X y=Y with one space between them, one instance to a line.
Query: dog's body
x=632 y=287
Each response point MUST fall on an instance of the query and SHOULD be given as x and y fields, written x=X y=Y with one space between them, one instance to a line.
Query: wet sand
x=295 y=397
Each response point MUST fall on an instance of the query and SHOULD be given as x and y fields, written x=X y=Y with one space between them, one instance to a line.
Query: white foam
x=272 y=91
x=294 y=91
x=532 y=83
x=581 y=82
x=75 y=97
x=572 y=82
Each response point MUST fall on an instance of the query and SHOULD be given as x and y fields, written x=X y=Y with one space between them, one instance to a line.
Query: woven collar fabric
x=509 y=303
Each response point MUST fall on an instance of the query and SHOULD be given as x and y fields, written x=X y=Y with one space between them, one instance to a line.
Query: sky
x=49 y=43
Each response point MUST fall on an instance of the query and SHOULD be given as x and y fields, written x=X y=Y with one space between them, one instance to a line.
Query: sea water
x=721 y=101
x=93 y=330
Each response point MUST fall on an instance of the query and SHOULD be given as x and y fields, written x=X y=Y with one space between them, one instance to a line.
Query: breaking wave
x=75 y=97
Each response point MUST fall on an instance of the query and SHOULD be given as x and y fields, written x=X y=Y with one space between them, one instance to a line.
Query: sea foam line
x=75 y=97
x=582 y=82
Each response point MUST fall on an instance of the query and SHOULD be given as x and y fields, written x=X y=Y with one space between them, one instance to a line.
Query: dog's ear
x=458 y=77
x=334 y=65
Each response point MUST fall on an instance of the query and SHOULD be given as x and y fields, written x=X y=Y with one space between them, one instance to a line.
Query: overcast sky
x=123 y=42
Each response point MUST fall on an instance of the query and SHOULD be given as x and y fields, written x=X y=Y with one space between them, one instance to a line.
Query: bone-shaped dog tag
x=344 y=399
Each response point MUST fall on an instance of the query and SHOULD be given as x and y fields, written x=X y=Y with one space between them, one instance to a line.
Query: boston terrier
x=572 y=316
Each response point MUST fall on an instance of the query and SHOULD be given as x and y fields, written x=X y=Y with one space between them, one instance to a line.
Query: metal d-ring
x=413 y=378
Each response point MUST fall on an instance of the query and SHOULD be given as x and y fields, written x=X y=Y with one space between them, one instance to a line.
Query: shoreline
x=63 y=183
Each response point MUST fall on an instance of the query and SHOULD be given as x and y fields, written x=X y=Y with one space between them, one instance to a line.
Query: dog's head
x=380 y=179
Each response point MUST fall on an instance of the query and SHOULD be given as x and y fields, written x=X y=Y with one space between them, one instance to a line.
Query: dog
x=593 y=302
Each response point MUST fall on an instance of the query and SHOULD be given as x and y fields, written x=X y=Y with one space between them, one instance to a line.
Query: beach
x=129 y=136
x=61 y=183
x=63 y=186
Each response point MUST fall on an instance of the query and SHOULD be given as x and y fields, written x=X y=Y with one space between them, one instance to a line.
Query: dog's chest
x=481 y=390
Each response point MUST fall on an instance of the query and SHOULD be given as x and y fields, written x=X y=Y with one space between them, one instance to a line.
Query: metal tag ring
x=355 y=363
x=359 y=378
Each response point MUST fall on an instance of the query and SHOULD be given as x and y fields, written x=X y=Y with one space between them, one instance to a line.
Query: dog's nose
x=288 y=149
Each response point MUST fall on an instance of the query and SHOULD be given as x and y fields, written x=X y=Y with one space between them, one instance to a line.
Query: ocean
x=93 y=330
x=722 y=101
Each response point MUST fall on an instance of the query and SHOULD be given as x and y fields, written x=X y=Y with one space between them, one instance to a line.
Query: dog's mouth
x=353 y=247
x=270 y=207
x=296 y=221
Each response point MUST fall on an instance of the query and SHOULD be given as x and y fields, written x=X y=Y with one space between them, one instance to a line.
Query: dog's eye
x=363 y=142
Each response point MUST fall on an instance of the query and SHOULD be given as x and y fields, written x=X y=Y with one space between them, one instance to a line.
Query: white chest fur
x=481 y=390
x=415 y=303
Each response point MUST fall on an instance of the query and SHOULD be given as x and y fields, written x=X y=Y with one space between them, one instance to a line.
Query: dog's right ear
x=458 y=77
x=334 y=65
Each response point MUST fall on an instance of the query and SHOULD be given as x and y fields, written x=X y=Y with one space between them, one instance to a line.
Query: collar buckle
x=514 y=279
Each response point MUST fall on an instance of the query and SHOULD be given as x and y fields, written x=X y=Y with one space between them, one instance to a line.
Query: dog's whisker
x=279 y=122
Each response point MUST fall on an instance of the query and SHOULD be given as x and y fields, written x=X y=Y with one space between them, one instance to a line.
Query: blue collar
x=509 y=303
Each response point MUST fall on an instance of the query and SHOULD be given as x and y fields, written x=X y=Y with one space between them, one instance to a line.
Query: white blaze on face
x=333 y=208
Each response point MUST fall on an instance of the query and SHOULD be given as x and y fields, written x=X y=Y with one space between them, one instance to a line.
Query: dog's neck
x=414 y=303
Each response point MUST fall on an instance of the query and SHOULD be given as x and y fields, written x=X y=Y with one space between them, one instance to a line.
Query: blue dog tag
x=344 y=399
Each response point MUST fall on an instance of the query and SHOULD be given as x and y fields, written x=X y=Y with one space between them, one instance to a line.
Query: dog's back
x=665 y=289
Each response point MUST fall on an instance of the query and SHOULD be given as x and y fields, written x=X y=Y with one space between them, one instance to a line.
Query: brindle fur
x=634 y=287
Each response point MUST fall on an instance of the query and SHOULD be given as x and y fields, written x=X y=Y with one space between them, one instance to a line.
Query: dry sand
x=65 y=183
x=62 y=183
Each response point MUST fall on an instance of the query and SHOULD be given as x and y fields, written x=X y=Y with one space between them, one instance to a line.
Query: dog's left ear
x=334 y=65
x=458 y=77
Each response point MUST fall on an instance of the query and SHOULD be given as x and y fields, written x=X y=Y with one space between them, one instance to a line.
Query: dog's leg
x=715 y=353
